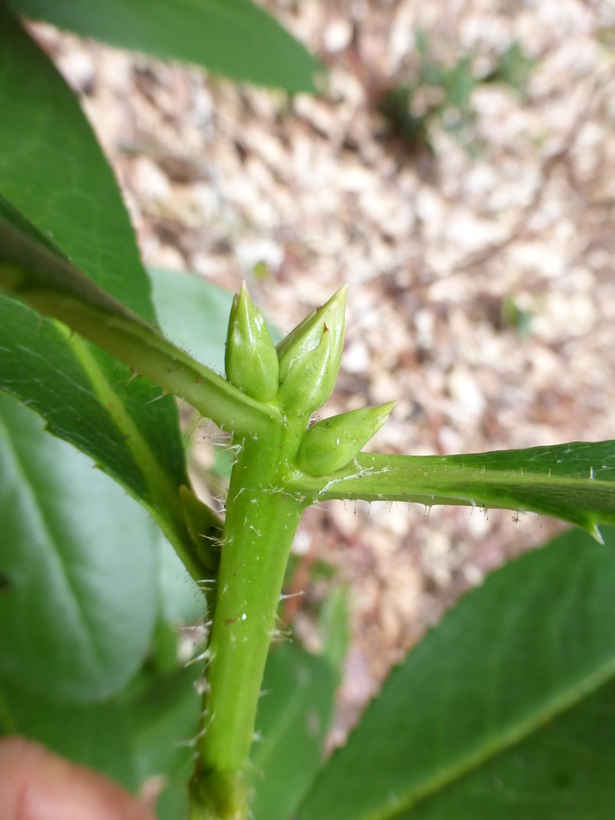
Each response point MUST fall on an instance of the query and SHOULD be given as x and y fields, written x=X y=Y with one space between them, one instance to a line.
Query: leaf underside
x=503 y=710
x=78 y=559
x=96 y=735
x=231 y=37
x=292 y=720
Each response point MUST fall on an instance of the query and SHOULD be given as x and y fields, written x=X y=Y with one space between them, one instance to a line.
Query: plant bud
x=310 y=357
x=251 y=360
x=333 y=443
x=308 y=333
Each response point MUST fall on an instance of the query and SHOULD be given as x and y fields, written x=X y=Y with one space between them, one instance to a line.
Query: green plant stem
x=149 y=354
x=55 y=287
x=261 y=521
x=545 y=480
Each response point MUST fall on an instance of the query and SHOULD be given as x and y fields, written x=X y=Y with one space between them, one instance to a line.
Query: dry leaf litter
x=505 y=209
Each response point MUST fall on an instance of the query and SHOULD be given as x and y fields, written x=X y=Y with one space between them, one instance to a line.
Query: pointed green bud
x=251 y=360
x=333 y=443
x=204 y=528
x=308 y=333
x=310 y=357
x=290 y=343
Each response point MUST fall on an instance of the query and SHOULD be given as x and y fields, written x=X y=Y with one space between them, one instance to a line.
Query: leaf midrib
x=505 y=740
x=157 y=480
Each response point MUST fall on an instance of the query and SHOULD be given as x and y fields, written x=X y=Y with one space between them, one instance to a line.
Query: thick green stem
x=261 y=522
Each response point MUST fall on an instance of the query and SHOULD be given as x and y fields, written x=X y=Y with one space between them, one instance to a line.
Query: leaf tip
x=595 y=533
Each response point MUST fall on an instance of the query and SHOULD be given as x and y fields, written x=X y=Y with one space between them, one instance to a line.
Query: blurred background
x=457 y=171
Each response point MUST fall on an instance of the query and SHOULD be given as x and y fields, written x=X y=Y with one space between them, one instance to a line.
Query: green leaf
x=335 y=630
x=564 y=771
x=487 y=712
x=164 y=722
x=182 y=600
x=79 y=562
x=96 y=735
x=232 y=37
x=138 y=734
x=292 y=720
x=574 y=482
x=54 y=172
x=55 y=181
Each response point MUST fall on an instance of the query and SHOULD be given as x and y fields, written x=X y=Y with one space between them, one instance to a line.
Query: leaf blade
x=480 y=682
x=80 y=564
x=193 y=313
x=564 y=770
x=291 y=724
x=55 y=182
x=94 y=734
x=53 y=171
x=231 y=37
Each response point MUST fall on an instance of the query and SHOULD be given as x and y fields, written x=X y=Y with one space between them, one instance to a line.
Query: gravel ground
x=477 y=244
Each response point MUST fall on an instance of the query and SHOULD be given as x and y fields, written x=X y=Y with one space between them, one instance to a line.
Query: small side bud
x=251 y=360
x=204 y=528
x=333 y=443
x=310 y=357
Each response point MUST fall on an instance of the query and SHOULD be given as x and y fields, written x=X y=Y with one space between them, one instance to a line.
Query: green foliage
x=93 y=734
x=251 y=362
x=513 y=69
x=509 y=698
x=463 y=727
x=58 y=184
x=292 y=720
x=231 y=37
x=82 y=579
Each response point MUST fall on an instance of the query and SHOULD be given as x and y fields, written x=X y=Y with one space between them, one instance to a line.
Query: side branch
x=58 y=289
x=578 y=487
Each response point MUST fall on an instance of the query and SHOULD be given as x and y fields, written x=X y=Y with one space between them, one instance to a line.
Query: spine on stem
x=260 y=526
